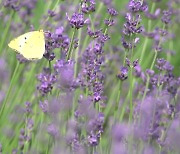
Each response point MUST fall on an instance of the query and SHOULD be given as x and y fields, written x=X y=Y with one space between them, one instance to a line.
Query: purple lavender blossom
x=53 y=130
x=12 y=4
x=93 y=140
x=77 y=115
x=88 y=6
x=132 y=25
x=44 y=106
x=22 y=139
x=49 y=56
x=136 y=6
x=112 y=12
x=173 y=136
x=154 y=116
x=46 y=81
x=150 y=72
x=120 y=132
x=92 y=33
x=77 y=20
x=138 y=70
x=30 y=124
x=162 y=64
x=126 y=44
x=55 y=40
x=65 y=73
x=95 y=129
x=123 y=74
x=72 y=135
x=28 y=107
x=76 y=43
x=51 y=13
x=155 y=15
x=21 y=59
x=91 y=75
x=107 y=2
x=85 y=108
x=109 y=22
x=166 y=18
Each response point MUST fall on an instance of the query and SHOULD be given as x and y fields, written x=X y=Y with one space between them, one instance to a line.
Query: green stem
x=146 y=39
x=120 y=88
x=152 y=65
x=170 y=48
x=131 y=87
x=92 y=25
x=71 y=45
x=52 y=8
x=95 y=17
x=148 y=78
x=9 y=90
x=76 y=54
x=5 y=34
x=50 y=67
x=106 y=27
x=131 y=94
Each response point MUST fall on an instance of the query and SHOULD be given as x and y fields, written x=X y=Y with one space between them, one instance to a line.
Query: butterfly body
x=31 y=45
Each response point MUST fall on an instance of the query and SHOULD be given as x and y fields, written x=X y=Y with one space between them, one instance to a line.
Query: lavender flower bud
x=123 y=74
x=112 y=12
x=136 y=6
x=94 y=34
x=150 y=72
x=51 y=13
x=77 y=20
x=49 y=56
x=126 y=44
x=28 y=107
x=135 y=63
x=93 y=140
x=88 y=6
x=109 y=22
x=52 y=130
x=138 y=71
x=46 y=81
x=166 y=18
x=65 y=73
x=155 y=15
x=128 y=62
x=44 y=106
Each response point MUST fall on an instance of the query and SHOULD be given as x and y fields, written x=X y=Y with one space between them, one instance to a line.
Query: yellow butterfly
x=31 y=45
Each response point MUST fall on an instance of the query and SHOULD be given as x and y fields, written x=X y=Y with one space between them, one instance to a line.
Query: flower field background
x=108 y=82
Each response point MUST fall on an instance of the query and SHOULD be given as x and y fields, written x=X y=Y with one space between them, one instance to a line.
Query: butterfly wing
x=31 y=45
x=18 y=42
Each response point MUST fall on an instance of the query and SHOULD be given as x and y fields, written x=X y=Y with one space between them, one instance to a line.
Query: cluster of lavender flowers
x=81 y=104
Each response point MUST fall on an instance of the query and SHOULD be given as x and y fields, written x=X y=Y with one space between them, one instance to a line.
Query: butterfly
x=31 y=45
